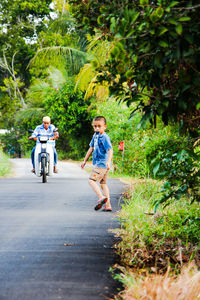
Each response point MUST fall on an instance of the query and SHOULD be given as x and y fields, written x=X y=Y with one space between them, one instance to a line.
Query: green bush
x=154 y=240
x=10 y=144
x=177 y=162
x=5 y=167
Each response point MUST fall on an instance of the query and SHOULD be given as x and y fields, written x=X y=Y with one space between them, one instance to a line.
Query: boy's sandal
x=106 y=209
x=100 y=203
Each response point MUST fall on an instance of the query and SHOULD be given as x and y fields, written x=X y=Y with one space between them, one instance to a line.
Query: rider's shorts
x=99 y=174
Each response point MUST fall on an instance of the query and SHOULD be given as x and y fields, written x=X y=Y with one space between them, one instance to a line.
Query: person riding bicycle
x=46 y=128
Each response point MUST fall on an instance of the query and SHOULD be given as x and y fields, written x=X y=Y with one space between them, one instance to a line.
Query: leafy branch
x=11 y=70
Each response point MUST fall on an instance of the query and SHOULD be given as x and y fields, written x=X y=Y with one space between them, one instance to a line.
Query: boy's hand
x=108 y=165
x=110 y=154
x=90 y=150
x=83 y=165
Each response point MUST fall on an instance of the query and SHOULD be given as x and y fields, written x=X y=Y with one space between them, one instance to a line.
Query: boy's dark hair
x=99 y=118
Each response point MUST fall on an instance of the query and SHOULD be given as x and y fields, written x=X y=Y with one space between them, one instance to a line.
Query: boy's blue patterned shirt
x=101 y=144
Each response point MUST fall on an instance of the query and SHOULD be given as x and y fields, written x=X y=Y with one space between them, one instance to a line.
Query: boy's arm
x=110 y=155
x=87 y=156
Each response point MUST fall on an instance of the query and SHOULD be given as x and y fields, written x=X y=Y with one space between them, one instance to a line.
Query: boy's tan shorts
x=99 y=174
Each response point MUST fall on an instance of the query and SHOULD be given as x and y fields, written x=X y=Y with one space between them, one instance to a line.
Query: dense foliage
x=5 y=167
x=177 y=162
x=20 y=24
x=154 y=240
x=156 y=52
x=145 y=53
x=40 y=52
x=155 y=248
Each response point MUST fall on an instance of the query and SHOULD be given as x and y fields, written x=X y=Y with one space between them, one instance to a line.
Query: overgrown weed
x=154 y=243
x=5 y=168
x=186 y=286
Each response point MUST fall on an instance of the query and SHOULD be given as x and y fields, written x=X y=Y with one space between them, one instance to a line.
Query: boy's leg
x=102 y=199
x=99 y=174
x=96 y=188
x=106 y=192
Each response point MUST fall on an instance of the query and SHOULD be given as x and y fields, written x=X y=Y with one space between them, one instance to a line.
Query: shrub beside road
x=5 y=168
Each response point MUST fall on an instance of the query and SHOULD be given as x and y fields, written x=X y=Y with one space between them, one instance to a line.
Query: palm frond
x=29 y=113
x=84 y=77
x=57 y=77
x=99 y=48
x=39 y=86
x=37 y=92
x=96 y=89
x=98 y=52
x=94 y=41
x=86 y=81
x=74 y=57
x=64 y=24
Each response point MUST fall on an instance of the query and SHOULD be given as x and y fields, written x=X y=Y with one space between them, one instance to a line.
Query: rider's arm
x=87 y=156
x=56 y=135
x=32 y=138
x=34 y=135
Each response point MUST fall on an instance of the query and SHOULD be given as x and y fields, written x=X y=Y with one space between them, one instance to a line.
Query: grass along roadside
x=185 y=286
x=154 y=249
x=5 y=167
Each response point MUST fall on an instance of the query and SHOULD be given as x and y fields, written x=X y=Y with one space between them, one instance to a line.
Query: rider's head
x=46 y=122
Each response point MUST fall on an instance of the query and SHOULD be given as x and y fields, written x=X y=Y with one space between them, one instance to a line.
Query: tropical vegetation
x=136 y=63
x=5 y=167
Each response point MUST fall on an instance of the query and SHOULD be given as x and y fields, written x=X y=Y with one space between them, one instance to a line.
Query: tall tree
x=156 y=54
x=20 y=23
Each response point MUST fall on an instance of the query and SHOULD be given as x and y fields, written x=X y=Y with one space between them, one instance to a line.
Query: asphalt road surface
x=53 y=244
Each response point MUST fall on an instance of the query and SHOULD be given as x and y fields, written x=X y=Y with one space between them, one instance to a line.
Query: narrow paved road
x=53 y=245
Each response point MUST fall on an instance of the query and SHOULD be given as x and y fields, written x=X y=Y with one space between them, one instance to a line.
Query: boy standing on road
x=101 y=148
